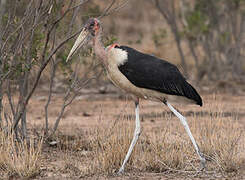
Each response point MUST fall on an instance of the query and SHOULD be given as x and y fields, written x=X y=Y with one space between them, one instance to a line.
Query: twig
x=79 y=4
x=52 y=75
x=67 y=103
x=109 y=11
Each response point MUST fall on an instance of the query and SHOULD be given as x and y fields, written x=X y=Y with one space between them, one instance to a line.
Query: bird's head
x=92 y=26
x=89 y=31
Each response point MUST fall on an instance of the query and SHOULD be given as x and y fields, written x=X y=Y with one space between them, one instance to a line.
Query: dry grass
x=163 y=148
x=19 y=158
x=168 y=148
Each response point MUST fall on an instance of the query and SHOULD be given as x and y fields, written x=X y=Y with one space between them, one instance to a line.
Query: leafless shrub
x=30 y=40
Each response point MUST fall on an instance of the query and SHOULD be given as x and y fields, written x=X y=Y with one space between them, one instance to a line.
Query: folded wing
x=146 y=71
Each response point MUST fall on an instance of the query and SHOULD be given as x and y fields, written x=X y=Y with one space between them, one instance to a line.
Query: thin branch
x=79 y=4
x=52 y=75
x=109 y=11
x=9 y=96
x=108 y=8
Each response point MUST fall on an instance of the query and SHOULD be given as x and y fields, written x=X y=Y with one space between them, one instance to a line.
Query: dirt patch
x=73 y=153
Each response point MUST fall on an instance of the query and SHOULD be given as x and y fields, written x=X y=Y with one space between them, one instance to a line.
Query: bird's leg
x=185 y=124
x=135 y=138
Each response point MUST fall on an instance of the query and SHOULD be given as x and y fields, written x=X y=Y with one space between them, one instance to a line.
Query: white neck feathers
x=117 y=56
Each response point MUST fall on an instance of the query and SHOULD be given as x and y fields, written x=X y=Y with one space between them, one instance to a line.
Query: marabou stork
x=142 y=75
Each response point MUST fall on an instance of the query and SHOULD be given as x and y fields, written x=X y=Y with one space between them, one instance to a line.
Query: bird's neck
x=99 y=48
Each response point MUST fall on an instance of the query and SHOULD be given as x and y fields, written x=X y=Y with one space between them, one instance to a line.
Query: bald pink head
x=93 y=26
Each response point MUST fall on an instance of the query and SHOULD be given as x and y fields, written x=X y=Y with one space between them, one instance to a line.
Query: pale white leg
x=135 y=138
x=185 y=124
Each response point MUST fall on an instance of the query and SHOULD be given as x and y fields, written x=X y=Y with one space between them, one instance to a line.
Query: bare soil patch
x=95 y=133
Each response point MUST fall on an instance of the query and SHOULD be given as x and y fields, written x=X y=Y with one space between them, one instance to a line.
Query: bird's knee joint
x=164 y=101
x=137 y=132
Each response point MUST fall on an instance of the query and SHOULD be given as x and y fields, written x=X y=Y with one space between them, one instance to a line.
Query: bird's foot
x=202 y=162
x=202 y=166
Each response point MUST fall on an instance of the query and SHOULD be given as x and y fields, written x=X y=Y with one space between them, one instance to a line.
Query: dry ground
x=95 y=133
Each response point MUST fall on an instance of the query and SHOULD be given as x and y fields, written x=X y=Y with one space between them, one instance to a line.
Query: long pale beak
x=81 y=40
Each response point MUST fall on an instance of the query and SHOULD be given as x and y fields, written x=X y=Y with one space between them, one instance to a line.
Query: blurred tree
x=2 y=11
x=214 y=31
x=168 y=11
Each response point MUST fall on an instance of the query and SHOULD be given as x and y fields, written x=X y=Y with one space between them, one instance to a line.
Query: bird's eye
x=92 y=25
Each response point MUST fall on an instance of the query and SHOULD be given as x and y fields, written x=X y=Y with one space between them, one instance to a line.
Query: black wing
x=149 y=72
